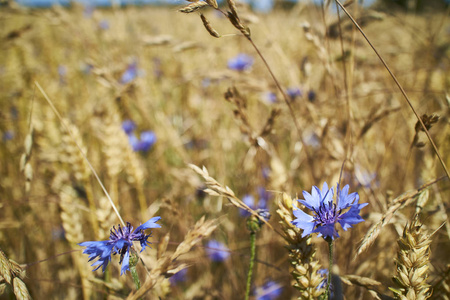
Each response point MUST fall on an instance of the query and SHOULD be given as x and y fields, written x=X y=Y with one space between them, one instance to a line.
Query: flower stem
x=330 y=266
x=252 y=262
x=135 y=276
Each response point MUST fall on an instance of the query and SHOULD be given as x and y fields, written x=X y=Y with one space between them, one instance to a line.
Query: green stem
x=330 y=266
x=252 y=263
x=135 y=276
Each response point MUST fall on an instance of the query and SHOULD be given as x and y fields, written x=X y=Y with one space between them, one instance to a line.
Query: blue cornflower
x=269 y=97
x=294 y=92
x=120 y=242
x=326 y=213
x=128 y=126
x=241 y=62
x=249 y=200
x=311 y=96
x=180 y=276
x=134 y=142
x=324 y=282
x=130 y=73
x=8 y=135
x=103 y=24
x=148 y=139
x=217 y=251
x=269 y=291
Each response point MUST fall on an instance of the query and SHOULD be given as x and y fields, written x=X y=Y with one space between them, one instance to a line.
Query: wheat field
x=175 y=126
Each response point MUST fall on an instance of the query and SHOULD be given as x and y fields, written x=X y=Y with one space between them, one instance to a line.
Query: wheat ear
x=401 y=201
x=81 y=151
x=412 y=262
x=167 y=264
x=301 y=253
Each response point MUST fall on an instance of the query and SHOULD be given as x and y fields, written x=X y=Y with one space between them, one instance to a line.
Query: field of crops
x=217 y=120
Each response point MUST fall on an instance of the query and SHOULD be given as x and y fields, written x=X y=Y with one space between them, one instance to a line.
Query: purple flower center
x=327 y=215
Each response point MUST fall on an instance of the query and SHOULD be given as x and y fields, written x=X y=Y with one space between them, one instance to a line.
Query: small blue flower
x=311 y=96
x=103 y=24
x=250 y=202
x=326 y=213
x=128 y=126
x=8 y=135
x=130 y=73
x=241 y=62
x=148 y=139
x=178 y=277
x=324 y=282
x=269 y=291
x=217 y=251
x=120 y=242
x=294 y=92
x=134 y=142
x=269 y=97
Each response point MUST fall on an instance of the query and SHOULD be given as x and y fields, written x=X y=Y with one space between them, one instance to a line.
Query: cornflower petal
x=304 y=221
x=125 y=263
x=149 y=224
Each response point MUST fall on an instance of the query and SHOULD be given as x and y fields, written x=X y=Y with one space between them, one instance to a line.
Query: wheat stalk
x=403 y=200
x=167 y=264
x=412 y=263
x=301 y=253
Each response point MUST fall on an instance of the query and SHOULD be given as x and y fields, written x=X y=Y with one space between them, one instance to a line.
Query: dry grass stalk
x=401 y=201
x=232 y=7
x=412 y=263
x=167 y=265
x=365 y=282
x=212 y=3
x=234 y=19
x=301 y=253
x=193 y=7
x=208 y=26
x=25 y=165
x=216 y=189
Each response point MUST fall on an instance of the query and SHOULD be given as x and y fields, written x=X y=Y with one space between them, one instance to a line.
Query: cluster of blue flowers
x=120 y=242
x=326 y=213
x=147 y=138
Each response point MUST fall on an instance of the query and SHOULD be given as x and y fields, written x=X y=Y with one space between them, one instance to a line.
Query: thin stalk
x=330 y=266
x=286 y=99
x=252 y=263
x=398 y=85
x=135 y=276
